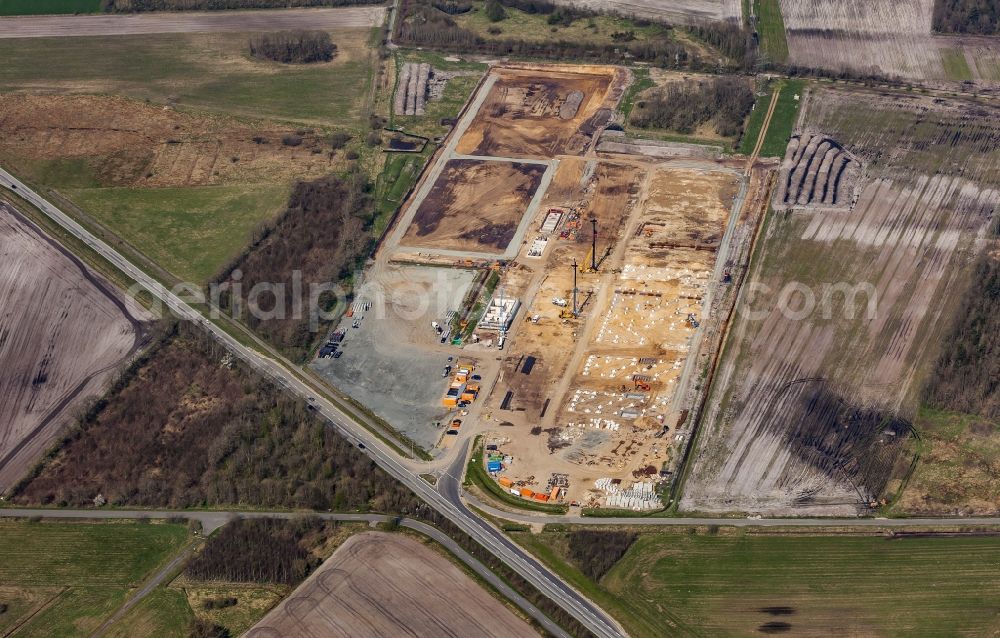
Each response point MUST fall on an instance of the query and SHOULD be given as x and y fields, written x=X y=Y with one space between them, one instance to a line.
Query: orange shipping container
x=506 y=482
x=526 y=493
x=541 y=497
x=555 y=493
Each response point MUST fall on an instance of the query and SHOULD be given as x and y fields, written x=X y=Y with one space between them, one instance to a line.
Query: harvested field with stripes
x=811 y=409
x=63 y=331
x=885 y=38
x=379 y=584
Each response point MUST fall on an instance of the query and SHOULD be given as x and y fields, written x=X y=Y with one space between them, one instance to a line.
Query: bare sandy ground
x=62 y=333
x=91 y=25
x=678 y=12
x=379 y=584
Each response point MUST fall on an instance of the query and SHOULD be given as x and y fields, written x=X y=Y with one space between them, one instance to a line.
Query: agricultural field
x=64 y=331
x=498 y=191
x=849 y=310
x=771 y=28
x=887 y=39
x=191 y=231
x=46 y=7
x=212 y=72
x=730 y=583
x=384 y=584
x=185 y=189
x=69 y=577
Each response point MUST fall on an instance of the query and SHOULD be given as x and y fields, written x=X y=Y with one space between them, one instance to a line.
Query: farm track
x=167 y=22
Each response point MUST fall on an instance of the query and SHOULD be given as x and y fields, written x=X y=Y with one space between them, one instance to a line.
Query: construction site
x=574 y=345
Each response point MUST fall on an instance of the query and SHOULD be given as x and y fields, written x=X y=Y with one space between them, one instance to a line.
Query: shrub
x=339 y=139
x=199 y=628
x=293 y=47
x=596 y=552
x=494 y=11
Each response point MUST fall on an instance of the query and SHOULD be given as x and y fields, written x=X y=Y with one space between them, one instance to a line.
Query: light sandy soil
x=189 y=22
x=379 y=584
x=474 y=206
x=674 y=12
x=521 y=114
x=131 y=143
x=810 y=411
x=63 y=331
x=597 y=421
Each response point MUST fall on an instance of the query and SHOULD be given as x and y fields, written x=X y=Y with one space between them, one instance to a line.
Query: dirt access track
x=171 y=22
x=475 y=205
x=63 y=331
x=379 y=584
x=543 y=112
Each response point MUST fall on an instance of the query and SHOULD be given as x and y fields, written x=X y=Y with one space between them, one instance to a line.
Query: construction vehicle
x=642 y=385
x=692 y=320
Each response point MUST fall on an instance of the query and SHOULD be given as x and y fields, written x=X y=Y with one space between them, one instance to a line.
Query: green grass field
x=956 y=67
x=735 y=584
x=192 y=232
x=78 y=572
x=399 y=175
x=752 y=131
x=46 y=7
x=771 y=28
x=207 y=71
x=783 y=120
x=163 y=613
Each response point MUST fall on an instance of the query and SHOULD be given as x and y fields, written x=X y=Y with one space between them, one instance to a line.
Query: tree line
x=192 y=428
x=980 y=17
x=596 y=552
x=293 y=47
x=684 y=106
x=139 y=6
x=967 y=375
x=262 y=550
x=422 y=24
x=324 y=234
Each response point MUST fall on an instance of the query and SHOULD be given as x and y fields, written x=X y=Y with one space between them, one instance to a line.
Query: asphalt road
x=287 y=375
x=210 y=521
x=189 y=22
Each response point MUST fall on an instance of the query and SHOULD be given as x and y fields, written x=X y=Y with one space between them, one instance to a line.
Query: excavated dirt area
x=63 y=331
x=587 y=399
x=474 y=205
x=125 y=142
x=379 y=584
x=811 y=407
x=533 y=112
